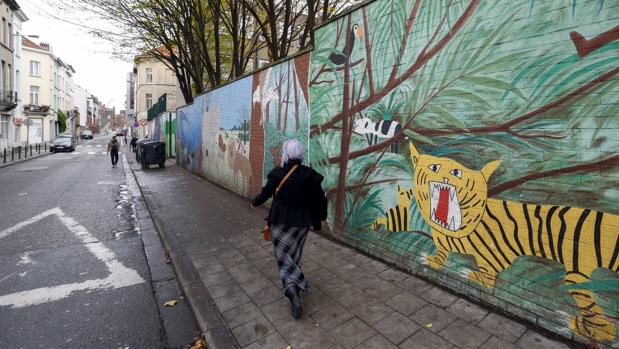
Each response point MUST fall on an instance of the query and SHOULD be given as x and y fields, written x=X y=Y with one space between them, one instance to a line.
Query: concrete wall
x=472 y=142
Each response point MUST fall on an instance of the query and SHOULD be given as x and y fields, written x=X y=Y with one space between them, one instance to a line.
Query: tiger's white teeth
x=454 y=218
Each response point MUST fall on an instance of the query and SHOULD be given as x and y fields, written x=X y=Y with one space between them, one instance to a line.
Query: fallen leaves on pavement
x=170 y=303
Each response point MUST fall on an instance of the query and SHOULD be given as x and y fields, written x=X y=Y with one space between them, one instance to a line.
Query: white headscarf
x=292 y=149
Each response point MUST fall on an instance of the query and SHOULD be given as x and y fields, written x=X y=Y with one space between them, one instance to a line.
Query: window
x=149 y=74
x=34 y=95
x=9 y=80
x=10 y=40
x=149 y=100
x=4 y=127
x=35 y=68
x=4 y=31
x=17 y=133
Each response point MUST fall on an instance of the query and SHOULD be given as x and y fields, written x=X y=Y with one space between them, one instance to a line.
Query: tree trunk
x=296 y=98
x=287 y=97
x=345 y=141
x=279 y=101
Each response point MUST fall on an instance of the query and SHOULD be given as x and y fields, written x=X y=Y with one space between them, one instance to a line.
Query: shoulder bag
x=266 y=231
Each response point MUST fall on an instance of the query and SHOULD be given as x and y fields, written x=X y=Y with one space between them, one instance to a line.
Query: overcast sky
x=96 y=70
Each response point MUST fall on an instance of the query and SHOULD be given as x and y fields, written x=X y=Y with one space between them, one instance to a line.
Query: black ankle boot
x=295 y=301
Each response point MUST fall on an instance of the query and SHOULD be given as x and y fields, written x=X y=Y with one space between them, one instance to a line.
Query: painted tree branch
x=504 y=127
x=584 y=167
x=324 y=69
x=330 y=192
x=409 y=26
x=368 y=51
x=345 y=142
x=392 y=83
x=584 y=47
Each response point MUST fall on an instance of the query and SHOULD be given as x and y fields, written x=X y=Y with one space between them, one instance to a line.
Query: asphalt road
x=73 y=271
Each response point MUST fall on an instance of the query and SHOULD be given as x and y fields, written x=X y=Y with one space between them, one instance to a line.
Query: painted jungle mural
x=517 y=90
x=189 y=135
x=164 y=130
x=226 y=135
x=280 y=98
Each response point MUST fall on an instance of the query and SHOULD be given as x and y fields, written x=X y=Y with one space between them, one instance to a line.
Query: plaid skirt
x=288 y=243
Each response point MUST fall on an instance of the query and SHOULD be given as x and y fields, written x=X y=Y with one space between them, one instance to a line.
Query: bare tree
x=282 y=23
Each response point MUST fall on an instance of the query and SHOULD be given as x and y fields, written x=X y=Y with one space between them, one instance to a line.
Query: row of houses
x=37 y=89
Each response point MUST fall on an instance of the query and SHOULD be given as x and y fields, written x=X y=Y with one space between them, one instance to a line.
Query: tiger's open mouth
x=444 y=206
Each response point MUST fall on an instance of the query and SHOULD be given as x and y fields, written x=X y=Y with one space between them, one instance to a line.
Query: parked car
x=62 y=144
x=65 y=135
x=86 y=134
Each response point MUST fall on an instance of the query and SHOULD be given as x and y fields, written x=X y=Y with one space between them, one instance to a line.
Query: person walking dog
x=299 y=203
x=112 y=148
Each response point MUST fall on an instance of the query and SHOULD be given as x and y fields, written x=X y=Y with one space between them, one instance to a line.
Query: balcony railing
x=8 y=99
x=36 y=109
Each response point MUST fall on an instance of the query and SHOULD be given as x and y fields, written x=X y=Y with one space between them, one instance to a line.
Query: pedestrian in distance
x=112 y=148
x=134 y=142
x=125 y=137
x=299 y=203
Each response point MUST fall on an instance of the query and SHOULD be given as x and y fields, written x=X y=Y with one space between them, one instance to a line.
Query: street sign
x=28 y=122
x=143 y=122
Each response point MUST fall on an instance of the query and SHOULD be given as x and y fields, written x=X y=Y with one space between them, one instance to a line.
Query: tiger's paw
x=435 y=262
x=597 y=327
x=486 y=280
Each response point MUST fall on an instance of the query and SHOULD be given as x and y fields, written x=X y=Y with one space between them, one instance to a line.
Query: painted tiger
x=453 y=200
x=397 y=219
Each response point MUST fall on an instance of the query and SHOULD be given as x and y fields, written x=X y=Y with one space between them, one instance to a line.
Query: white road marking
x=98 y=145
x=76 y=152
x=24 y=259
x=79 y=146
x=91 y=153
x=103 y=153
x=22 y=194
x=120 y=276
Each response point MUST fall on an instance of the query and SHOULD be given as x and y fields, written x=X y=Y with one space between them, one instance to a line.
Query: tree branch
x=396 y=81
x=504 y=127
x=324 y=69
x=584 y=167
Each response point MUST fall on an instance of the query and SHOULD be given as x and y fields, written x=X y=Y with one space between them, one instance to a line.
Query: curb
x=216 y=332
x=31 y=157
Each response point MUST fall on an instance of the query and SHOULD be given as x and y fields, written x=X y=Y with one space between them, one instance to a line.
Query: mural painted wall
x=475 y=142
x=189 y=135
x=226 y=132
x=241 y=126
x=280 y=98
x=164 y=129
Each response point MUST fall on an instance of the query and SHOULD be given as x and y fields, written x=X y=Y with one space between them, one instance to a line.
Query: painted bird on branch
x=340 y=58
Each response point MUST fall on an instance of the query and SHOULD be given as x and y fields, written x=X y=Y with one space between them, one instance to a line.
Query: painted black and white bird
x=378 y=130
x=340 y=58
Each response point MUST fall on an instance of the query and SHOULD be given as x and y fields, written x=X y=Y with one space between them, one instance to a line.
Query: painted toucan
x=340 y=58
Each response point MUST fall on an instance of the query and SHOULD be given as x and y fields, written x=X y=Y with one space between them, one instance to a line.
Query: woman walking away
x=298 y=203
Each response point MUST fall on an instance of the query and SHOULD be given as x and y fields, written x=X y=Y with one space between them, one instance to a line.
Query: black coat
x=300 y=202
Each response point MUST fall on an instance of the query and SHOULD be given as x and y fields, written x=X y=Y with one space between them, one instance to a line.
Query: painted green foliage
x=527 y=82
x=283 y=108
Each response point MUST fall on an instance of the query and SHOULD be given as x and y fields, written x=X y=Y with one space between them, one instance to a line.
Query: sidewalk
x=17 y=160
x=356 y=302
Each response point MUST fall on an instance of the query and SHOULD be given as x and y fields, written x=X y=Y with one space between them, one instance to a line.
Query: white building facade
x=15 y=139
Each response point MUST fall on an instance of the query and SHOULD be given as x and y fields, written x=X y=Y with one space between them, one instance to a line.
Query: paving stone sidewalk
x=355 y=302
